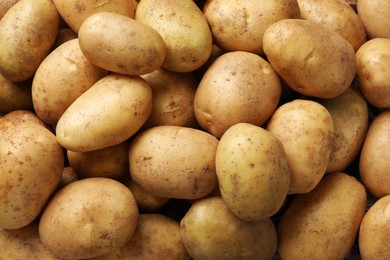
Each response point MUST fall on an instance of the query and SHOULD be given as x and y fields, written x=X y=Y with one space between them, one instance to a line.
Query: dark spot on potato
x=147 y=158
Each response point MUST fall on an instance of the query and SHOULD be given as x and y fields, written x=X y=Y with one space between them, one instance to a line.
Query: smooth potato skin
x=5 y=5
x=375 y=15
x=14 y=96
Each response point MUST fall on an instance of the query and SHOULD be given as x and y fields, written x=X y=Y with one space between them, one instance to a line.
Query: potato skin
x=323 y=223
x=14 y=96
x=375 y=15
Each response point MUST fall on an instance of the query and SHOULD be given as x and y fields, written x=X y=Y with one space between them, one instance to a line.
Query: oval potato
x=375 y=15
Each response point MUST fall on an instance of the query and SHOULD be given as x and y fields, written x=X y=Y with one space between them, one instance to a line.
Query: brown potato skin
x=5 y=5
x=375 y=15
x=14 y=96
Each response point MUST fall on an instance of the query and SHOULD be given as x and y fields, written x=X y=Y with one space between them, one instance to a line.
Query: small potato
x=120 y=44
x=312 y=59
x=174 y=162
x=306 y=131
x=125 y=103
x=88 y=218
x=253 y=171
x=375 y=15
x=373 y=71
x=211 y=231
x=23 y=47
x=14 y=96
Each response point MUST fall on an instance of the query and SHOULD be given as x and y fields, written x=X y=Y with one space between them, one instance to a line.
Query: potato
x=14 y=96
x=240 y=25
x=60 y=79
x=374 y=230
x=374 y=160
x=306 y=131
x=375 y=15
x=338 y=16
x=373 y=62
x=156 y=237
x=125 y=102
x=211 y=231
x=75 y=12
x=5 y=5
x=183 y=27
x=323 y=223
x=64 y=35
x=88 y=218
x=110 y=162
x=238 y=87
x=23 y=47
x=312 y=59
x=68 y=176
x=31 y=164
x=253 y=171
x=174 y=162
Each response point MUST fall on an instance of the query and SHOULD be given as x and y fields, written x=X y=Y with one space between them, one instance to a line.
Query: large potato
x=375 y=15
x=124 y=104
x=323 y=223
x=14 y=96
x=312 y=59
x=174 y=162
x=253 y=171
x=27 y=32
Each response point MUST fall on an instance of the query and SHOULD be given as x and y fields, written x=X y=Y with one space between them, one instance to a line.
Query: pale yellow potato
x=23 y=47
x=174 y=162
x=306 y=131
x=60 y=79
x=14 y=96
x=253 y=172
x=108 y=113
x=183 y=27
x=240 y=25
x=211 y=231
x=88 y=218
x=312 y=59
x=238 y=87
x=374 y=163
x=5 y=5
x=373 y=71
x=323 y=224
x=120 y=44
x=22 y=116
x=64 y=35
x=337 y=15
x=75 y=12
x=375 y=15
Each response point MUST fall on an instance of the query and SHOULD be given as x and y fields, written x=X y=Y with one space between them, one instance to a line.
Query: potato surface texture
x=14 y=96
x=375 y=15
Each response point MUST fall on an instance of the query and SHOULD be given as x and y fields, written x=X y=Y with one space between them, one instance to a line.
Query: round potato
x=88 y=218
x=174 y=162
x=253 y=171
x=375 y=15
x=125 y=103
x=312 y=59
x=14 y=96
x=23 y=47
x=238 y=87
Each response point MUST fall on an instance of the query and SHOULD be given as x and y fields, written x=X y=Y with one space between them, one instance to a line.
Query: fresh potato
x=373 y=63
x=312 y=59
x=174 y=162
x=375 y=15
x=240 y=25
x=238 y=87
x=323 y=223
x=183 y=27
x=88 y=218
x=211 y=231
x=124 y=104
x=5 y=5
x=23 y=47
x=14 y=96
x=120 y=44
x=253 y=171
x=60 y=79
x=306 y=131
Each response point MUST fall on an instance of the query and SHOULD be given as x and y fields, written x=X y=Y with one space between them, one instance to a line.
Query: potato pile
x=184 y=129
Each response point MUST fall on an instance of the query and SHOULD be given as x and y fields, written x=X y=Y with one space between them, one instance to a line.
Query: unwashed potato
x=312 y=59
x=14 y=96
x=211 y=231
x=375 y=15
x=23 y=47
x=88 y=218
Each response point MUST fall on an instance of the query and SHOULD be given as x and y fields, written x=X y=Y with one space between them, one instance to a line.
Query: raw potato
x=374 y=161
x=84 y=219
x=60 y=79
x=64 y=35
x=183 y=27
x=375 y=15
x=23 y=47
x=75 y=12
x=312 y=59
x=373 y=63
x=174 y=162
x=240 y=25
x=238 y=87
x=253 y=172
x=68 y=176
x=306 y=131
x=323 y=224
x=14 y=96
x=5 y=5
x=124 y=104
x=211 y=231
